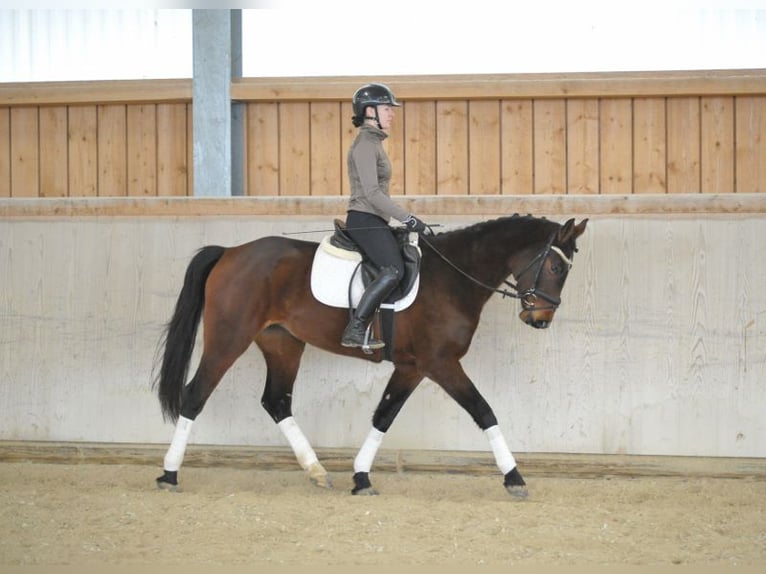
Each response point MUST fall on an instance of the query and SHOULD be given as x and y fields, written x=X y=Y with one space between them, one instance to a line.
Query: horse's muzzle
x=537 y=318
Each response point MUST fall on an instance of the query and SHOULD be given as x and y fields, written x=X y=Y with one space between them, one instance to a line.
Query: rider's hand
x=414 y=224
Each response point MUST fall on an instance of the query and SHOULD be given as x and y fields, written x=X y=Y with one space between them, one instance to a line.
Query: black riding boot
x=373 y=296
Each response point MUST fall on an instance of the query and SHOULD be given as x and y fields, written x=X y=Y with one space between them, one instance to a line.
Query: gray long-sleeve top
x=369 y=172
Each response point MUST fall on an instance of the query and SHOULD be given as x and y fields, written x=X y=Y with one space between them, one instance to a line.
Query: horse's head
x=541 y=279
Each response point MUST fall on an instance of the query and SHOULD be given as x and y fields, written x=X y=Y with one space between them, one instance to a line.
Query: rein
x=528 y=296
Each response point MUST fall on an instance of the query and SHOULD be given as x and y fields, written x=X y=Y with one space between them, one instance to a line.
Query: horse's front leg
x=403 y=381
x=452 y=378
x=283 y=352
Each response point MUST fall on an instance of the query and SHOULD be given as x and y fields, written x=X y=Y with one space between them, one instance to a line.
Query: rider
x=370 y=207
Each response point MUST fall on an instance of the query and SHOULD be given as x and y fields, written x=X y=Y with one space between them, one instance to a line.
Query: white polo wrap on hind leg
x=175 y=455
x=503 y=457
x=298 y=442
x=363 y=460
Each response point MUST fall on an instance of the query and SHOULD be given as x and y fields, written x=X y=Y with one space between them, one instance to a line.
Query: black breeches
x=376 y=239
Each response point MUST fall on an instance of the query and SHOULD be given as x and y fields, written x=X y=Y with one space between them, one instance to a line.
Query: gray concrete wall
x=659 y=346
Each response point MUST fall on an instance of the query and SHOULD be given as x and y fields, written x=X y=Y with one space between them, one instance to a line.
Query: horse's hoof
x=318 y=476
x=362 y=485
x=169 y=482
x=519 y=492
x=515 y=484
x=365 y=492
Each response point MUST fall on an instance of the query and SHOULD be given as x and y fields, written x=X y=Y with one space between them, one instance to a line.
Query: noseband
x=528 y=297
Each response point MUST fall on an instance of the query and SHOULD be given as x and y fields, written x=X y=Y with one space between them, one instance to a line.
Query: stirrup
x=370 y=345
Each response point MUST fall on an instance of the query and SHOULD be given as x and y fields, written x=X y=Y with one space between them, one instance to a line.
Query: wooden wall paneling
x=5 y=152
x=420 y=148
x=550 y=148
x=582 y=146
x=262 y=149
x=347 y=135
x=649 y=146
x=751 y=144
x=190 y=152
x=83 y=151
x=172 y=153
x=54 y=177
x=616 y=143
x=517 y=141
x=484 y=147
x=142 y=150
x=25 y=152
x=294 y=149
x=717 y=144
x=326 y=163
x=683 y=145
x=451 y=147
x=112 y=150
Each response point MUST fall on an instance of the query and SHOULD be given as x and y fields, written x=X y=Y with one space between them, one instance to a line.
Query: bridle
x=528 y=297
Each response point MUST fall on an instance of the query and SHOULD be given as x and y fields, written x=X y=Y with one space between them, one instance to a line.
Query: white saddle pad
x=331 y=273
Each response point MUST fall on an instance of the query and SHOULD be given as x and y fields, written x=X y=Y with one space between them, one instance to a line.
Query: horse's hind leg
x=222 y=348
x=283 y=354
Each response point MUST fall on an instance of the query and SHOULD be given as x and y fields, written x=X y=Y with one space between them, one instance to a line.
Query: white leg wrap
x=298 y=441
x=363 y=460
x=175 y=455
x=503 y=457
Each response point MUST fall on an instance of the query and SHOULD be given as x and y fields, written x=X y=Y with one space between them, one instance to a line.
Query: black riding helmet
x=371 y=95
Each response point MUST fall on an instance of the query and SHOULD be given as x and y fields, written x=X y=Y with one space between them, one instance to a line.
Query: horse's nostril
x=540 y=324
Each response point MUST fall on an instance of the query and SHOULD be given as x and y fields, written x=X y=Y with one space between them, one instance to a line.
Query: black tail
x=181 y=331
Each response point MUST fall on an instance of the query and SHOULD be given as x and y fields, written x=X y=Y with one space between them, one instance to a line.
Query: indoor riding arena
x=637 y=418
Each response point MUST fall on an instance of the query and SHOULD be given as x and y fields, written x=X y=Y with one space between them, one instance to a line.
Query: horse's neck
x=487 y=256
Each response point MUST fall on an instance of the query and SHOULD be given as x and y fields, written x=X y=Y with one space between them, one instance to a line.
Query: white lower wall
x=659 y=346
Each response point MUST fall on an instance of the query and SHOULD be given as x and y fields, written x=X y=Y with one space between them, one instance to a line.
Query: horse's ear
x=569 y=231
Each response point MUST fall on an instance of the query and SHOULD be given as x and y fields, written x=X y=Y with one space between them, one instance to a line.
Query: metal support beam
x=217 y=124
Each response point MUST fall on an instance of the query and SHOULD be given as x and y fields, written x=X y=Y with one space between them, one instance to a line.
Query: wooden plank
x=294 y=149
x=142 y=150
x=190 y=150
x=751 y=144
x=326 y=163
x=172 y=153
x=484 y=145
x=390 y=460
x=394 y=146
x=654 y=205
x=452 y=148
x=5 y=152
x=112 y=150
x=407 y=88
x=95 y=92
x=347 y=135
x=262 y=149
x=683 y=145
x=511 y=86
x=517 y=141
x=420 y=148
x=616 y=141
x=25 y=152
x=53 y=152
x=717 y=152
x=550 y=147
x=83 y=151
x=582 y=146
x=649 y=146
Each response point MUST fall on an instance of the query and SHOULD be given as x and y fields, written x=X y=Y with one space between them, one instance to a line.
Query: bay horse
x=260 y=292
